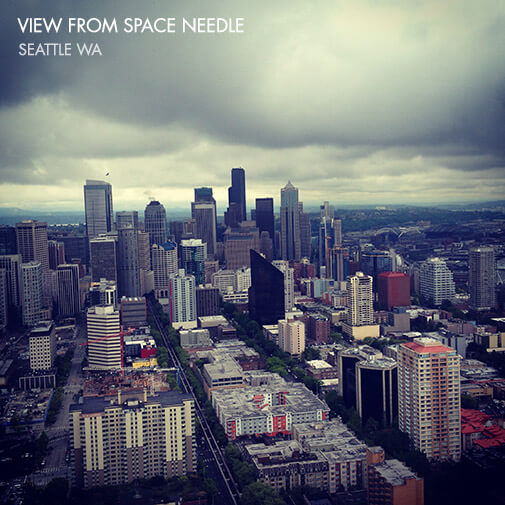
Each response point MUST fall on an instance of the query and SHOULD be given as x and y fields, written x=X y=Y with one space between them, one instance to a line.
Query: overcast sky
x=355 y=102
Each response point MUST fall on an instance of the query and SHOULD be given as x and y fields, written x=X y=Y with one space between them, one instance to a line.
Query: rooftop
x=395 y=472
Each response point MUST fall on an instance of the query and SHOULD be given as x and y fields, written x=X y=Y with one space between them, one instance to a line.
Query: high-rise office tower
x=133 y=436
x=128 y=263
x=265 y=220
x=203 y=211
x=193 y=256
x=56 y=253
x=182 y=299
x=338 y=266
x=31 y=289
x=290 y=223
x=105 y=343
x=266 y=294
x=238 y=242
x=327 y=210
x=377 y=390
x=164 y=263
x=429 y=398
x=374 y=263
x=144 y=250
x=155 y=222
x=236 y=193
x=8 y=243
x=69 y=299
x=31 y=237
x=482 y=278
x=3 y=299
x=330 y=236
x=435 y=281
x=103 y=293
x=133 y=312
x=127 y=218
x=98 y=208
x=292 y=336
x=176 y=231
x=305 y=233
x=11 y=263
x=103 y=258
x=393 y=290
x=360 y=296
x=266 y=246
x=289 y=283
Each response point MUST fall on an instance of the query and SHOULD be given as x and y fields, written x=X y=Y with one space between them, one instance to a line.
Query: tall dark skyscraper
x=127 y=218
x=265 y=220
x=236 y=193
x=290 y=223
x=32 y=244
x=203 y=211
x=482 y=278
x=266 y=294
x=8 y=240
x=103 y=258
x=155 y=223
x=128 y=263
x=69 y=301
x=98 y=208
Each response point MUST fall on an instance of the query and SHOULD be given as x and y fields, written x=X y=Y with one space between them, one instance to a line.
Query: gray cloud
x=356 y=100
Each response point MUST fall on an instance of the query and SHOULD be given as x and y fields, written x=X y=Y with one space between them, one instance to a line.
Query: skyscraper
x=105 y=344
x=236 y=194
x=289 y=283
x=193 y=256
x=182 y=300
x=290 y=223
x=164 y=263
x=429 y=398
x=8 y=240
x=3 y=299
x=266 y=294
x=238 y=242
x=155 y=222
x=127 y=218
x=12 y=265
x=103 y=258
x=128 y=263
x=436 y=281
x=482 y=278
x=330 y=236
x=265 y=220
x=305 y=234
x=31 y=237
x=56 y=253
x=31 y=288
x=203 y=211
x=69 y=300
x=98 y=208
x=360 y=316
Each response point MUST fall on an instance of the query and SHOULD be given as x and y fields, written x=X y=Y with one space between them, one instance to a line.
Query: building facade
x=98 y=209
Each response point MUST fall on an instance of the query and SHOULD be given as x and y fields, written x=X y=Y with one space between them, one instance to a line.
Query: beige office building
x=104 y=338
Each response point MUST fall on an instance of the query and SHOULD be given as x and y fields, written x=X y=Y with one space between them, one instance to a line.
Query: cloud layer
x=352 y=101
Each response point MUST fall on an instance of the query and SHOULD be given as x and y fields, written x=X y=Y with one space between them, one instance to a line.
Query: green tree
x=258 y=493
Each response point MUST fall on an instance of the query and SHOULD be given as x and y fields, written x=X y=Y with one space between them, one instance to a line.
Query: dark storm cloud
x=336 y=94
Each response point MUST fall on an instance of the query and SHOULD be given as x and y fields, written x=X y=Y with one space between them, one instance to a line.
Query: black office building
x=265 y=220
x=377 y=390
x=8 y=243
x=236 y=192
x=266 y=294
